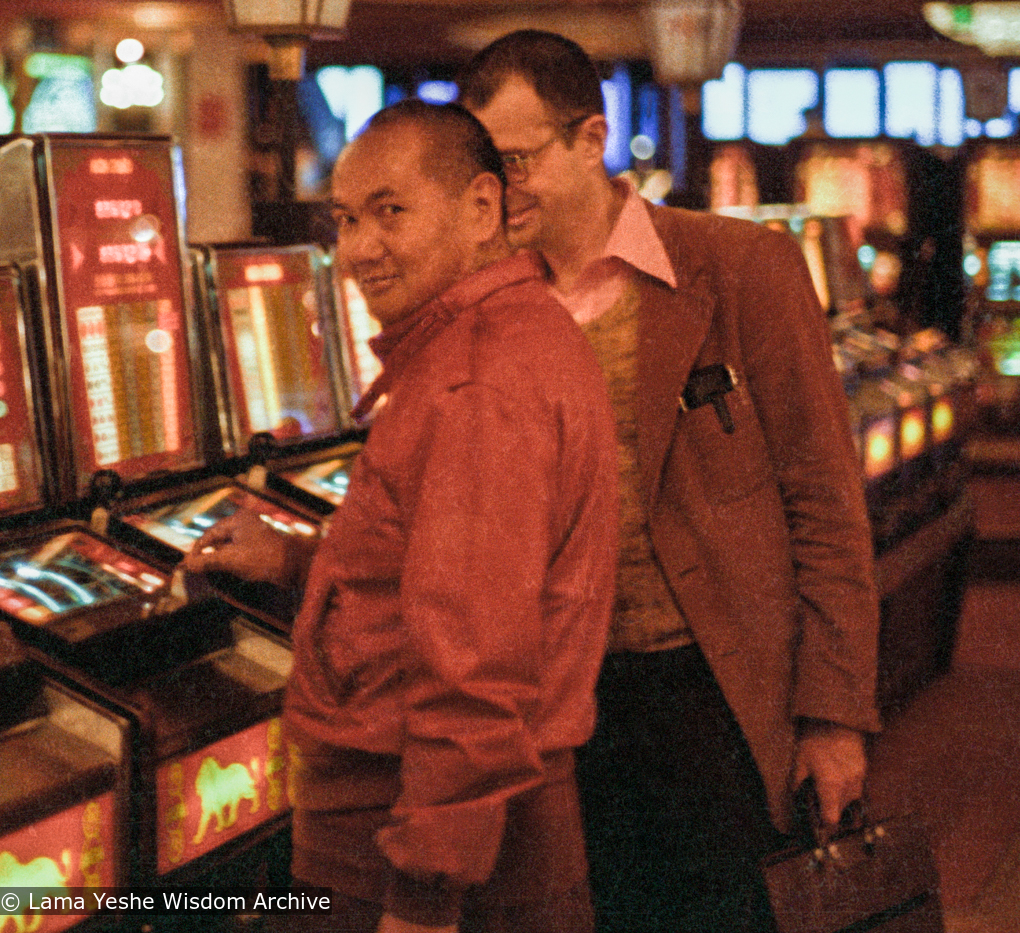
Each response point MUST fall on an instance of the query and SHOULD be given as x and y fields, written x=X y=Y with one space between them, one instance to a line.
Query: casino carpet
x=953 y=754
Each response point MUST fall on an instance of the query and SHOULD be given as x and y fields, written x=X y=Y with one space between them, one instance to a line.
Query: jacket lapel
x=673 y=326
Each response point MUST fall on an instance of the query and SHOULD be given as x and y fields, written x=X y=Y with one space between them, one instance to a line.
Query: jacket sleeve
x=479 y=532
x=802 y=406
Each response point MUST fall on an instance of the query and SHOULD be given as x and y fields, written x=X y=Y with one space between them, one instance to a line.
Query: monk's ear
x=484 y=205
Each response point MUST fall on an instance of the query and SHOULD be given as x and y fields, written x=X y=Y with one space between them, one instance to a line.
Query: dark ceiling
x=401 y=31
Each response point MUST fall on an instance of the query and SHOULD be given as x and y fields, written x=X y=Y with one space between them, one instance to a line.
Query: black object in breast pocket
x=709 y=385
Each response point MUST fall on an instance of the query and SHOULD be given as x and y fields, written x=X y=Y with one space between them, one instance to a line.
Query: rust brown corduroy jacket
x=762 y=533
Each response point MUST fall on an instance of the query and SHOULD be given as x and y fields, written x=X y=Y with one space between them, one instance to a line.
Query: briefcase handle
x=808 y=828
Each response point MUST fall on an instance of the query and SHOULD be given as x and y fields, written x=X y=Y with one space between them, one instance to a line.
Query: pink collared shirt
x=633 y=244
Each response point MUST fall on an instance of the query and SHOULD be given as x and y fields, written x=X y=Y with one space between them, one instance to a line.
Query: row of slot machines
x=148 y=390
x=911 y=393
x=912 y=397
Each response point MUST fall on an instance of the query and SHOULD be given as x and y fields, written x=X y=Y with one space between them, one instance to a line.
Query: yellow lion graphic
x=221 y=791
x=41 y=872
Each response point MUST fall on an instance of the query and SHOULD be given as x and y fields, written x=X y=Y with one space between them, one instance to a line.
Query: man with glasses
x=743 y=650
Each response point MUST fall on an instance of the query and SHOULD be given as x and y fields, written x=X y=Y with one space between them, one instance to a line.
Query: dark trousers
x=675 y=812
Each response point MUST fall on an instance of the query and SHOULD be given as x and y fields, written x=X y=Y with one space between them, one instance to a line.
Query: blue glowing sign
x=616 y=93
x=722 y=105
x=853 y=105
x=777 y=100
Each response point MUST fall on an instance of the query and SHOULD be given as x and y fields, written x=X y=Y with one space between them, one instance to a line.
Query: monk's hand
x=244 y=545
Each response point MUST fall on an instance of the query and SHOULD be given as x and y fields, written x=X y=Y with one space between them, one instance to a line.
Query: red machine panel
x=22 y=482
x=71 y=849
x=219 y=792
x=122 y=309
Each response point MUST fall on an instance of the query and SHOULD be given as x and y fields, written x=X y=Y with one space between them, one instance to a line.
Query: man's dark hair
x=456 y=148
x=559 y=70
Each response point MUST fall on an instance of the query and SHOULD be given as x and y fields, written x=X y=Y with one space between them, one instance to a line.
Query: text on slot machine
x=264 y=272
x=118 y=165
x=125 y=253
x=117 y=210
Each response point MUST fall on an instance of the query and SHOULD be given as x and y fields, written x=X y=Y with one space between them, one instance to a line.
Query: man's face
x=400 y=234
x=541 y=197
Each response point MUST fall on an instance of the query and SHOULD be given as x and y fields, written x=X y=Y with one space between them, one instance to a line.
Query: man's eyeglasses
x=517 y=165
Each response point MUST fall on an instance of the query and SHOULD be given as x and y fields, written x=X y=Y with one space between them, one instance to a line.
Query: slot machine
x=280 y=368
x=97 y=350
x=94 y=227
x=992 y=264
x=64 y=818
x=65 y=758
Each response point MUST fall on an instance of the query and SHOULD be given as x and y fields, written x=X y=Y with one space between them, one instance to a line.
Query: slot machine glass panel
x=62 y=816
x=124 y=320
x=21 y=470
x=275 y=336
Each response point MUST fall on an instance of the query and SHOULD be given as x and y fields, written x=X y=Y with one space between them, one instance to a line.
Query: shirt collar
x=398 y=344
x=634 y=238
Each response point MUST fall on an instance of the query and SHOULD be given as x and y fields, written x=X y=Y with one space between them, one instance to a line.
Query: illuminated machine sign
x=70 y=572
x=275 y=338
x=181 y=523
x=943 y=419
x=21 y=477
x=879 y=446
x=993 y=27
x=219 y=792
x=990 y=206
x=123 y=309
x=74 y=848
x=913 y=432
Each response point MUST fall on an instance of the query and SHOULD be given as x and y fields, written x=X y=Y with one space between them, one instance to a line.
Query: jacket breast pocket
x=727 y=466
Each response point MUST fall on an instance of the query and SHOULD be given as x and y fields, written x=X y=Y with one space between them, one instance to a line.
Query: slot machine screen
x=991 y=182
x=327 y=480
x=274 y=337
x=21 y=477
x=124 y=318
x=181 y=523
x=1003 y=271
x=866 y=182
x=43 y=580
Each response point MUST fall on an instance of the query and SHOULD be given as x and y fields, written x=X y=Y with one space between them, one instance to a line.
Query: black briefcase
x=877 y=875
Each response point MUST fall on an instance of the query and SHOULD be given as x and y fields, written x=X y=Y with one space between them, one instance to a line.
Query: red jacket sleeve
x=479 y=545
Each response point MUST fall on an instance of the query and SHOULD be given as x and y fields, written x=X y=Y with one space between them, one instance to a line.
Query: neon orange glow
x=912 y=431
x=879 y=449
x=942 y=420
